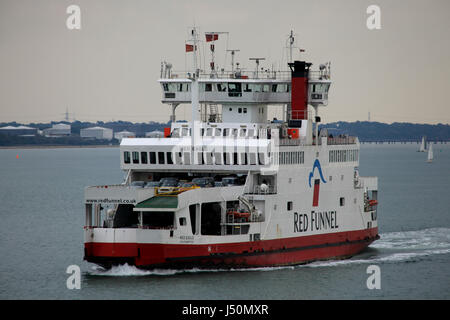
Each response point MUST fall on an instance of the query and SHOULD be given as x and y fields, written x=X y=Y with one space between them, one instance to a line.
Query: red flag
x=189 y=47
x=211 y=37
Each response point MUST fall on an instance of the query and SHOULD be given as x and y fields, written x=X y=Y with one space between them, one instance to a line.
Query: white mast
x=430 y=153
x=194 y=98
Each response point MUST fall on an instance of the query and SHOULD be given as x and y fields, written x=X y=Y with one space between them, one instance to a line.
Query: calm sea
x=42 y=218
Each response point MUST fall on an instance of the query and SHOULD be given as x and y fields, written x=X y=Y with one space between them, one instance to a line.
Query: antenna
x=233 y=51
x=291 y=45
x=257 y=64
x=68 y=115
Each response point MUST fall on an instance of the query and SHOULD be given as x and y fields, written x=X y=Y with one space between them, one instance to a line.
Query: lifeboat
x=240 y=215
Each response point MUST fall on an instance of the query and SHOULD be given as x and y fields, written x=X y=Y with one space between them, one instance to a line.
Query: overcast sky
x=108 y=70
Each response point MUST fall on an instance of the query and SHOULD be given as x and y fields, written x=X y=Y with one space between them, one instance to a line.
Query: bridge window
x=208 y=87
x=266 y=88
x=257 y=87
x=169 y=87
x=126 y=157
x=234 y=89
x=183 y=87
x=247 y=87
x=222 y=87
x=281 y=87
x=218 y=132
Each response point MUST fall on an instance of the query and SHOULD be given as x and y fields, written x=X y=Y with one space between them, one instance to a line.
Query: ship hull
x=263 y=253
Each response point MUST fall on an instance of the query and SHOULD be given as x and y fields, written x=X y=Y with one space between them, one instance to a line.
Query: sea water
x=42 y=218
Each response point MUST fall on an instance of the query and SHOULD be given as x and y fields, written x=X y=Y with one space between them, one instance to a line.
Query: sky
x=108 y=69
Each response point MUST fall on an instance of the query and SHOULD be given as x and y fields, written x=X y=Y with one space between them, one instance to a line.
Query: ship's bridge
x=236 y=91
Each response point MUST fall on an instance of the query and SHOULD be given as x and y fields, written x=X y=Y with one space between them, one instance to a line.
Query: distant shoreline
x=58 y=146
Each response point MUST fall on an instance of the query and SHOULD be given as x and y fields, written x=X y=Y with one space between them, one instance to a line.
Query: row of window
x=147 y=157
x=232 y=87
x=216 y=132
x=208 y=158
x=343 y=155
x=291 y=157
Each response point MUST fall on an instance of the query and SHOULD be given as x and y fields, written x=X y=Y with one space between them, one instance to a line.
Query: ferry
x=232 y=188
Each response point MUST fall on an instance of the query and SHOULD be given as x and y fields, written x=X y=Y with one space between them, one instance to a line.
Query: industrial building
x=97 y=133
x=124 y=134
x=18 y=131
x=58 y=130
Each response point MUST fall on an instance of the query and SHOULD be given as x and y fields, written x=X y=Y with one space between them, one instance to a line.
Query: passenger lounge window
x=126 y=157
x=160 y=157
x=169 y=157
x=144 y=157
x=152 y=157
x=135 y=157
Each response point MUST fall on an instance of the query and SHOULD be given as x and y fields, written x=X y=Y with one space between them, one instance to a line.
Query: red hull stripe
x=257 y=253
